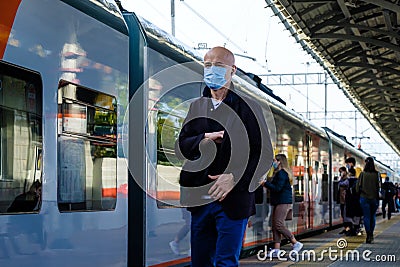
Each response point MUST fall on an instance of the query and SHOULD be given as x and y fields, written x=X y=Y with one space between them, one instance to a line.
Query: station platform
x=332 y=249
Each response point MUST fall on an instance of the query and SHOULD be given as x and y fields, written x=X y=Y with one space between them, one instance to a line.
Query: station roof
x=357 y=42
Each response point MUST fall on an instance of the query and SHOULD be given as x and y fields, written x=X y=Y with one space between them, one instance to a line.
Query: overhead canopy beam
x=384 y=4
x=357 y=42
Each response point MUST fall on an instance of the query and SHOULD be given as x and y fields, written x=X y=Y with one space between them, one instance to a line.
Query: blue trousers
x=216 y=240
x=369 y=207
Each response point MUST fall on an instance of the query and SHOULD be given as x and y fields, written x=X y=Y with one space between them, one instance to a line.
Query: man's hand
x=223 y=185
x=215 y=136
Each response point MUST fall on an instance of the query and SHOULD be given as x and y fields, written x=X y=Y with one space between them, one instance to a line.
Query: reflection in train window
x=20 y=139
x=323 y=172
x=87 y=149
x=291 y=142
x=337 y=159
x=171 y=112
x=171 y=89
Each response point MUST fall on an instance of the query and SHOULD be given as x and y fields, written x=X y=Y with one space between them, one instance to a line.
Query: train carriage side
x=342 y=149
x=307 y=149
x=63 y=96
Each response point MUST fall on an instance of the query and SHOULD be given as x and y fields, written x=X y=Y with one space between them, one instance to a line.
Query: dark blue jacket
x=280 y=189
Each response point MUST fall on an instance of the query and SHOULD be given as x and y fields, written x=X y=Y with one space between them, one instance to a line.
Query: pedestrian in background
x=281 y=200
x=397 y=198
x=389 y=198
x=343 y=186
x=181 y=234
x=350 y=163
x=353 y=207
x=368 y=186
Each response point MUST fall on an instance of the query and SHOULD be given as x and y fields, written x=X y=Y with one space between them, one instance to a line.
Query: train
x=92 y=98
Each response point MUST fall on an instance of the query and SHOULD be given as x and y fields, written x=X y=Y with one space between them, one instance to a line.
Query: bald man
x=223 y=139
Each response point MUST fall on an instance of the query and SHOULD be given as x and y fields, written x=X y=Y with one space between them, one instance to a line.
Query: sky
x=250 y=29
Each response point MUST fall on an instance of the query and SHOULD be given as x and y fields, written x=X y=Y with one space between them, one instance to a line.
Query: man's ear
x=234 y=68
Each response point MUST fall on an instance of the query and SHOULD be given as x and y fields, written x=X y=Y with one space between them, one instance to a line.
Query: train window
x=20 y=139
x=87 y=149
x=171 y=89
x=171 y=111
x=291 y=141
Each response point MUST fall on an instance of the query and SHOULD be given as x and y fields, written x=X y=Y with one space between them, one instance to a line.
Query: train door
x=337 y=160
x=318 y=183
x=291 y=140
x=308 y=185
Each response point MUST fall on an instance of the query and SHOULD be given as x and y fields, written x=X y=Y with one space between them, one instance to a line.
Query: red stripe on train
x=173 y=262
x=109 y=192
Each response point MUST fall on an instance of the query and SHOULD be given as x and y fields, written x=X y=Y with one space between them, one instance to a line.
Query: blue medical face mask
x=214 y=77
x=275 y=164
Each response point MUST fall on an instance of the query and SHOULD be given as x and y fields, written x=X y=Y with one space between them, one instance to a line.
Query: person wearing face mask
x=350 y=163
x=223 y=141
x=281 y=200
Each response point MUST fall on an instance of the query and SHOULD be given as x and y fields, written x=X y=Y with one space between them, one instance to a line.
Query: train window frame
x=87 y=131
x=21 y=105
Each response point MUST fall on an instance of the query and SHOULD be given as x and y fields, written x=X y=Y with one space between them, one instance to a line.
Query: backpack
x=391 y=190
